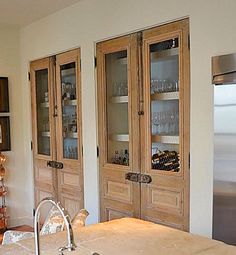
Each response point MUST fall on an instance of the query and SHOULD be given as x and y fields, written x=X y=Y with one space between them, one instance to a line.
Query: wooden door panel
x=113 y=214
x=163 y=220
x=44 y=176
x=117 y=191
x=166 y=199
x=71 y=204
x=69 y=135
x=118 y=126
x=43 y=173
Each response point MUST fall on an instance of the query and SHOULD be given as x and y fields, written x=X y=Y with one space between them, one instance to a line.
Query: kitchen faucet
x=70 y=237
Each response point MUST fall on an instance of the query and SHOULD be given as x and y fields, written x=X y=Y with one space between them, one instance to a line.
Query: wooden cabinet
x=143 y=100
x=57 y=134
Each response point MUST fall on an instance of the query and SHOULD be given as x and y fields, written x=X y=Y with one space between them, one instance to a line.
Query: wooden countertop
x=125 y=236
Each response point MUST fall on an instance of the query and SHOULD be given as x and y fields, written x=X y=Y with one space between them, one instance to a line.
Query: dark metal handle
x=144 y=178
x=133 y=177
x=137 y=177
x=55 y=164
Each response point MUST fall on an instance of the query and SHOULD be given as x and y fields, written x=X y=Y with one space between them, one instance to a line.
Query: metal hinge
x=140 y=38
x=95 y=62
x=31 y=145
x=28 y=76
x=54 y=60
x=80 y=64
x=97 y=152
x=189 y=161
x=189 y=41
x=82 y=151
x=33 y=212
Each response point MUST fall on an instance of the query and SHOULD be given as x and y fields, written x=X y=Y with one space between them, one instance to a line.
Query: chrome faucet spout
x=70 y=237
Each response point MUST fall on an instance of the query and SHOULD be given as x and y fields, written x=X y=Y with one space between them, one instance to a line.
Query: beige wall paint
x=212 y=31
x=16 y=175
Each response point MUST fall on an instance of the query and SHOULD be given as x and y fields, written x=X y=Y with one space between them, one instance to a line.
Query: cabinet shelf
x=165 y=139
x=164 y=54
x=45 y=134
x=122 y=61
x=68 y=72
x=70 y=135
x=44 y=104
x=165 y=96
x=119 y=99
x=70 y=102
x=119 y=137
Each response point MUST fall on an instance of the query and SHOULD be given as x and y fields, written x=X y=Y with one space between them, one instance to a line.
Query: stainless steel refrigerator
x=224 y=201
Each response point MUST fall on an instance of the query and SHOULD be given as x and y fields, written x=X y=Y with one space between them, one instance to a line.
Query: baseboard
x=14 y=222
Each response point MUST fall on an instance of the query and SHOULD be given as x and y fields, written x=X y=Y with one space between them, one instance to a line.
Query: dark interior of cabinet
x=4 y=96
x=5 y=140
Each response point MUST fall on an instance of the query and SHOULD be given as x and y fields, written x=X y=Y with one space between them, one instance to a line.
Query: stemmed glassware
x=165 y=122
x=164 y=86
x=120 y=88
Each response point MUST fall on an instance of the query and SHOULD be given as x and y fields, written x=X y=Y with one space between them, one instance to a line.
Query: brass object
x=2 y=158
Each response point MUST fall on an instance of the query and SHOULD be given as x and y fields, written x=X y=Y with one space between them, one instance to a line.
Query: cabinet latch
x=137 y=177
x=55 y=164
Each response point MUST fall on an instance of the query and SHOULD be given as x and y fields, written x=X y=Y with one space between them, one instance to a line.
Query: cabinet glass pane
x=42 y=102
x=69 y=110
x=164 y=91
x=117 y=108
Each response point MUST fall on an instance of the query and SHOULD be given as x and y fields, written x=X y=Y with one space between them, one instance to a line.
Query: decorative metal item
x=3 y=191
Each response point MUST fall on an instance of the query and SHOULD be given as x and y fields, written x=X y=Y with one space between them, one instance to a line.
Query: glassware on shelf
x=165 y=123
x=120 y=88
x=164 y=86
x=121 y=158
x=42 y=102
x=71 y=152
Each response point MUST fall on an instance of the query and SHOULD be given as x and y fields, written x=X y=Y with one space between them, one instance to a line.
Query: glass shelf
x=165 y=139
x=122 y=61
x=119 y=137
x=69 y=102
x=165 y=96
x=119 y=99
x=164 y=54
x=68 y=72
x=45 y=134
x=70 y=135
x=44 y=105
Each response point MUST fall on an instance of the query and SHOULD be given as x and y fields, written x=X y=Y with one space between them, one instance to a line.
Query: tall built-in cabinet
x=57 y=134
x=143 y=108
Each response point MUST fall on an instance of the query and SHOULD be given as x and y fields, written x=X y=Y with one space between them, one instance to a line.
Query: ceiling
x=23 y=12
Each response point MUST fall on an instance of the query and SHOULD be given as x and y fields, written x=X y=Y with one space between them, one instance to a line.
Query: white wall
x=16 y=174
x=212 y=29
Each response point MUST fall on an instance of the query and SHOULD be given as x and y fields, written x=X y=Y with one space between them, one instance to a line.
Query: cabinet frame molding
x=172 y=185
x=63 y=184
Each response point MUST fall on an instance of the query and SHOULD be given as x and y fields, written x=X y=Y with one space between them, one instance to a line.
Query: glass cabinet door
x=164 y=92
x=117 y=108
x=42 y=112
x=69 y=110
x=69 y=131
